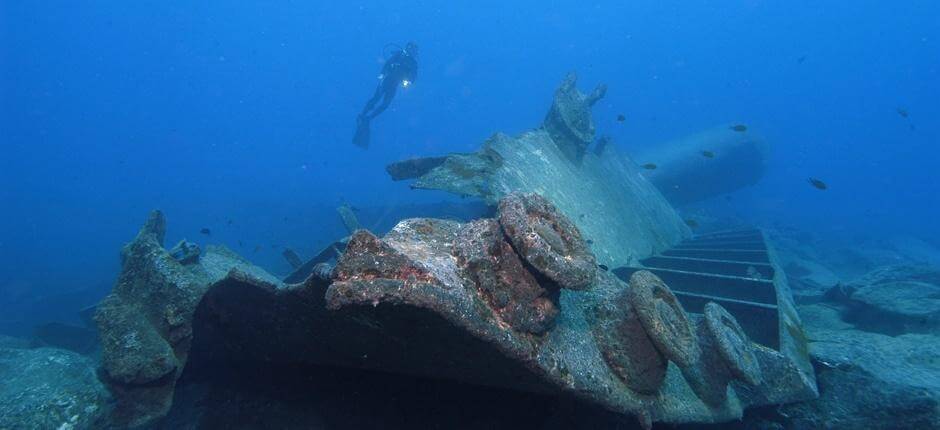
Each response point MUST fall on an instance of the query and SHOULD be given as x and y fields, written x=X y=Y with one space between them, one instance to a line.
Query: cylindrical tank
x=706 y=164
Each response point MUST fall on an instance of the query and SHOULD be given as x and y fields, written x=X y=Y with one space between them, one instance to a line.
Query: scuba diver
x=400 y=69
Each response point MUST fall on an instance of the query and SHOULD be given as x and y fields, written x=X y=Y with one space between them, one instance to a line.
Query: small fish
x=649 y=166
x=708 y=154
x=820 y=185
x=589 y=242
x=257 y=248
x=621 y=118
x=691 y=223
x=801 y=59
x=902 y=112
x=230 y=222
x=603 y=267
x=240 y=244
x=739 y=128
x=206 y=231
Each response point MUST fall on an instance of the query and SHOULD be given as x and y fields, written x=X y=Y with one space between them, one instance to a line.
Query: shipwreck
x=585 y=283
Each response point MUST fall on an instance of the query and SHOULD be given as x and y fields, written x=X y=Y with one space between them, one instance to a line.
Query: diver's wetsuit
x=400 y=68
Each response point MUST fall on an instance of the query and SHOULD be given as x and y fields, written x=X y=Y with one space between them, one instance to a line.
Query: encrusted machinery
x=515 y=302
x=520 y=300
x=731 y=268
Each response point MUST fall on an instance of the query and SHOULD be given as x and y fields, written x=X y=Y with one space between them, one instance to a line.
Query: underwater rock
x=603 y=194
x=145 y=323
x=569 y=121
x=895 y=299
x=867 y=380
x=11 y=342
x=547 y=240
x=48 y=388
x=853 y=399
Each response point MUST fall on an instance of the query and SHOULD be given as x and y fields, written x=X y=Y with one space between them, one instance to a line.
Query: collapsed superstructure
x=523 y=300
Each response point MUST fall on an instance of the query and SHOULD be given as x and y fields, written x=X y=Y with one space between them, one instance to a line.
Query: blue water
x=215 y=111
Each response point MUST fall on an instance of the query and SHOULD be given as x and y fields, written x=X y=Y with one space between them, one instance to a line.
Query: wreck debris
x=292 y=258
x=488 y=259
x=330 y=252
x=685 y=176
x=185 y=252
x=732 y=344
x=436 y=298
x=603 y=193
x=663 y=318
x=731 y=268
x=383 y=264
x=626 y=347
x=726 y=354
x=515 y=301
x=547 y=240
x=145 y=323
x=349 y=218
x=413 y=168
x=601 y=145
x=569 y=121
x=322 y=271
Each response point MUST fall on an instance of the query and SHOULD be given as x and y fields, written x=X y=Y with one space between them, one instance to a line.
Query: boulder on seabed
x=866 y=380
x=49 y=388
x=893 y=300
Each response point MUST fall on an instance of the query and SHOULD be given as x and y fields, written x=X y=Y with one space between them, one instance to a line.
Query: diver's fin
x=361 y=139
